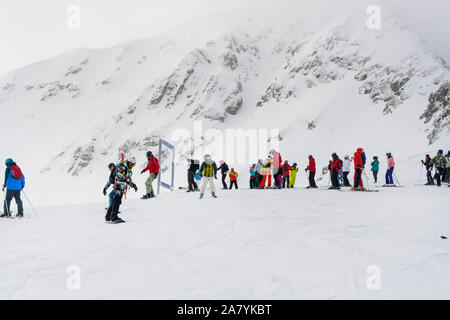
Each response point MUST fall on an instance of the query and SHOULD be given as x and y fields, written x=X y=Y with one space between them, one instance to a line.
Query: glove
x=423 y=162
x=135 y=187
x=215 y=177
x=306 y=169
x=104 y=191
x=142 y=171
x=156 y=174
x=3 y=188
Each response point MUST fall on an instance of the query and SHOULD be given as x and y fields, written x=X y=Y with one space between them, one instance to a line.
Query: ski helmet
x=346 y=157
x=295 y=164
x=388 y=153
x=221 y=162
x=131 y=161
x=334 y=155
x=8 y=161
x=440 y=151
x=149 y=154
x=111 y=166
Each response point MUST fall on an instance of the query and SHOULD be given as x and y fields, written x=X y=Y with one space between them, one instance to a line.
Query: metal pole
x=6 y=205
x=159 y=175
x=398 y=182
x=29 y=202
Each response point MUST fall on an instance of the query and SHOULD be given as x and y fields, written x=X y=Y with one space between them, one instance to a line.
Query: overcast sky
x=33 y=30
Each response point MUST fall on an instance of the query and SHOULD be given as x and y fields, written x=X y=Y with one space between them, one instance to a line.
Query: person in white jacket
x=346 y=170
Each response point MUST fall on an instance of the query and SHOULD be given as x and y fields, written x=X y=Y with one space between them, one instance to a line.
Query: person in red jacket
x=359 y=167
x=233 y=179
x=286 y=168
x=335 y=166
x=312 y=172
x=153 y=169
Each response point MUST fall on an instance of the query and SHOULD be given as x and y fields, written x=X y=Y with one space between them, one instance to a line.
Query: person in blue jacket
x=375 y=168
x=111 y=180
x=13 y=187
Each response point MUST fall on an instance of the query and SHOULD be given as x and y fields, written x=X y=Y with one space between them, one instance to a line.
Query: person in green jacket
x=375 y=167
x=440 y=164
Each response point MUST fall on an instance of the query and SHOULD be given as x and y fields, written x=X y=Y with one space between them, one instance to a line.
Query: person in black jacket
x=194 y=166
x=224 y=170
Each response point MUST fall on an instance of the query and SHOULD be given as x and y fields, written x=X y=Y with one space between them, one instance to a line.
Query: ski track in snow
x=247 y=244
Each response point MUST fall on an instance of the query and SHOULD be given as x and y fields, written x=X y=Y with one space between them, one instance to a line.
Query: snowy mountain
x=319 y=75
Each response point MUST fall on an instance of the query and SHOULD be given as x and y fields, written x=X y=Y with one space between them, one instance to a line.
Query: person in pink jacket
x=390 y=169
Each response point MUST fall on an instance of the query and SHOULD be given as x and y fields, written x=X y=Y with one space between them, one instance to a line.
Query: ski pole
x=29 y=202
x=6 y=204
x=420 y=174
x=396 y=179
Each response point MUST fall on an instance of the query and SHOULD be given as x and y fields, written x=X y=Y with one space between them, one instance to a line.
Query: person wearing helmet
x=439 y=163
x=286 y=170
x=112 y=169
x=390 y=169
x=224 y=171
x=334 y=170
x=359 y=167
x=258 y=174
x=122 y=180
x=276 y=164
x=375 y=167
x=429 y=167
x=14 y=183
x=194 y=166
x=346 y=170
x=447 y=167
x=233 y=179
x=293 y=175
x=312 y=172
x=208 y=172
x=266 y=176
x=153 y=169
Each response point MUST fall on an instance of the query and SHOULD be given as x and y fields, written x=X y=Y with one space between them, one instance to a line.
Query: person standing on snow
x=153 y=169
x=208 y=172
x=359 y=167
x=390 y=169
x=193 y=168
x=312 y=172
x=122 y=180
x=252 y=172
x=334 y=169
x=14 y=183
x=224 y=171
x=346 y=170
x=429 y=167
x=266 y=166
x=258 y=174
x=375 y=167
x=447 y=167
x=233 y=179
x=111 y=180
x=286 y=168
x=439 y=164
x=293 y=175
x=276 y=168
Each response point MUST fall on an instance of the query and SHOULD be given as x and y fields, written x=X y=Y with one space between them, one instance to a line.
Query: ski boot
x=4 y=215
x=213 y=194
x=201 y=196
x=19 y=215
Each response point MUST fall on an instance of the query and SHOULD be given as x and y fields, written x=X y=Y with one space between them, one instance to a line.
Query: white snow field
x=247 y=244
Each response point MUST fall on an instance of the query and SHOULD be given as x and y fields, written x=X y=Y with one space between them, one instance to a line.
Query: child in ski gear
x=122 y=180
x=14 y=183
x=286 y=168
x=224 y=171
x=390 y=169
x=346 y=170
x=233 y=179
x=276 y=168
x=194 y=166
x=312 y=171
x=439 y=164
x=266 y=165
x=359 y=167
x=293 y=175
x=334 y=169
x=375 y=167
x=111 y=179
x=153 y=169
x=429 y=167
x=252 y=172
x=208 y=172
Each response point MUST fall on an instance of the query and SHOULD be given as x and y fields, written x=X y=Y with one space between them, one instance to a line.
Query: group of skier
x=441 y=166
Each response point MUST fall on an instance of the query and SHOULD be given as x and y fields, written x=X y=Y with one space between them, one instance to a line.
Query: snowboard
x=115 y=222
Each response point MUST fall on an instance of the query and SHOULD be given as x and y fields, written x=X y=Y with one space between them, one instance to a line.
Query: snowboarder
x=224 y=171
x=375 y=167
x=346 y=170
x=390 y=169
x=194 y=166
x=111 y=180
x=429 y=167
x=276 y=168
x=293 y=175
x=286 y=168
x=233 y=178
x=266 y=176
x=359 y=167
x=122 y=180
x=14 y=183
x=253 y=176
x=208 y=172
x=334 y=169
x=153 y=169
x=439 y=164
x=312 y=172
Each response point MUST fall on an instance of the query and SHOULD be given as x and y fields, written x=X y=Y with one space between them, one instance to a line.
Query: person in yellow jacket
x=266 y=169
x=208 y=172
x=233 y=179
x=293 y=175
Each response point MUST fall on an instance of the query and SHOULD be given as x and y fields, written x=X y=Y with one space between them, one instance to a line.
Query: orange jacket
x=233 y=176
x=357 y=159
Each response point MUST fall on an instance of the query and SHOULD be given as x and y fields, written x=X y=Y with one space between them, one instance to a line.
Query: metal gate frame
x=161 y=183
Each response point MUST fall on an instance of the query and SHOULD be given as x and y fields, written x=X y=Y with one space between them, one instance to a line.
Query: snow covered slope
x=262 y=244
x=313 y=71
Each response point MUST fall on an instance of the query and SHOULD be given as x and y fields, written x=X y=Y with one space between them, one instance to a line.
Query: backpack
x=16 y=173
x=340 y=164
